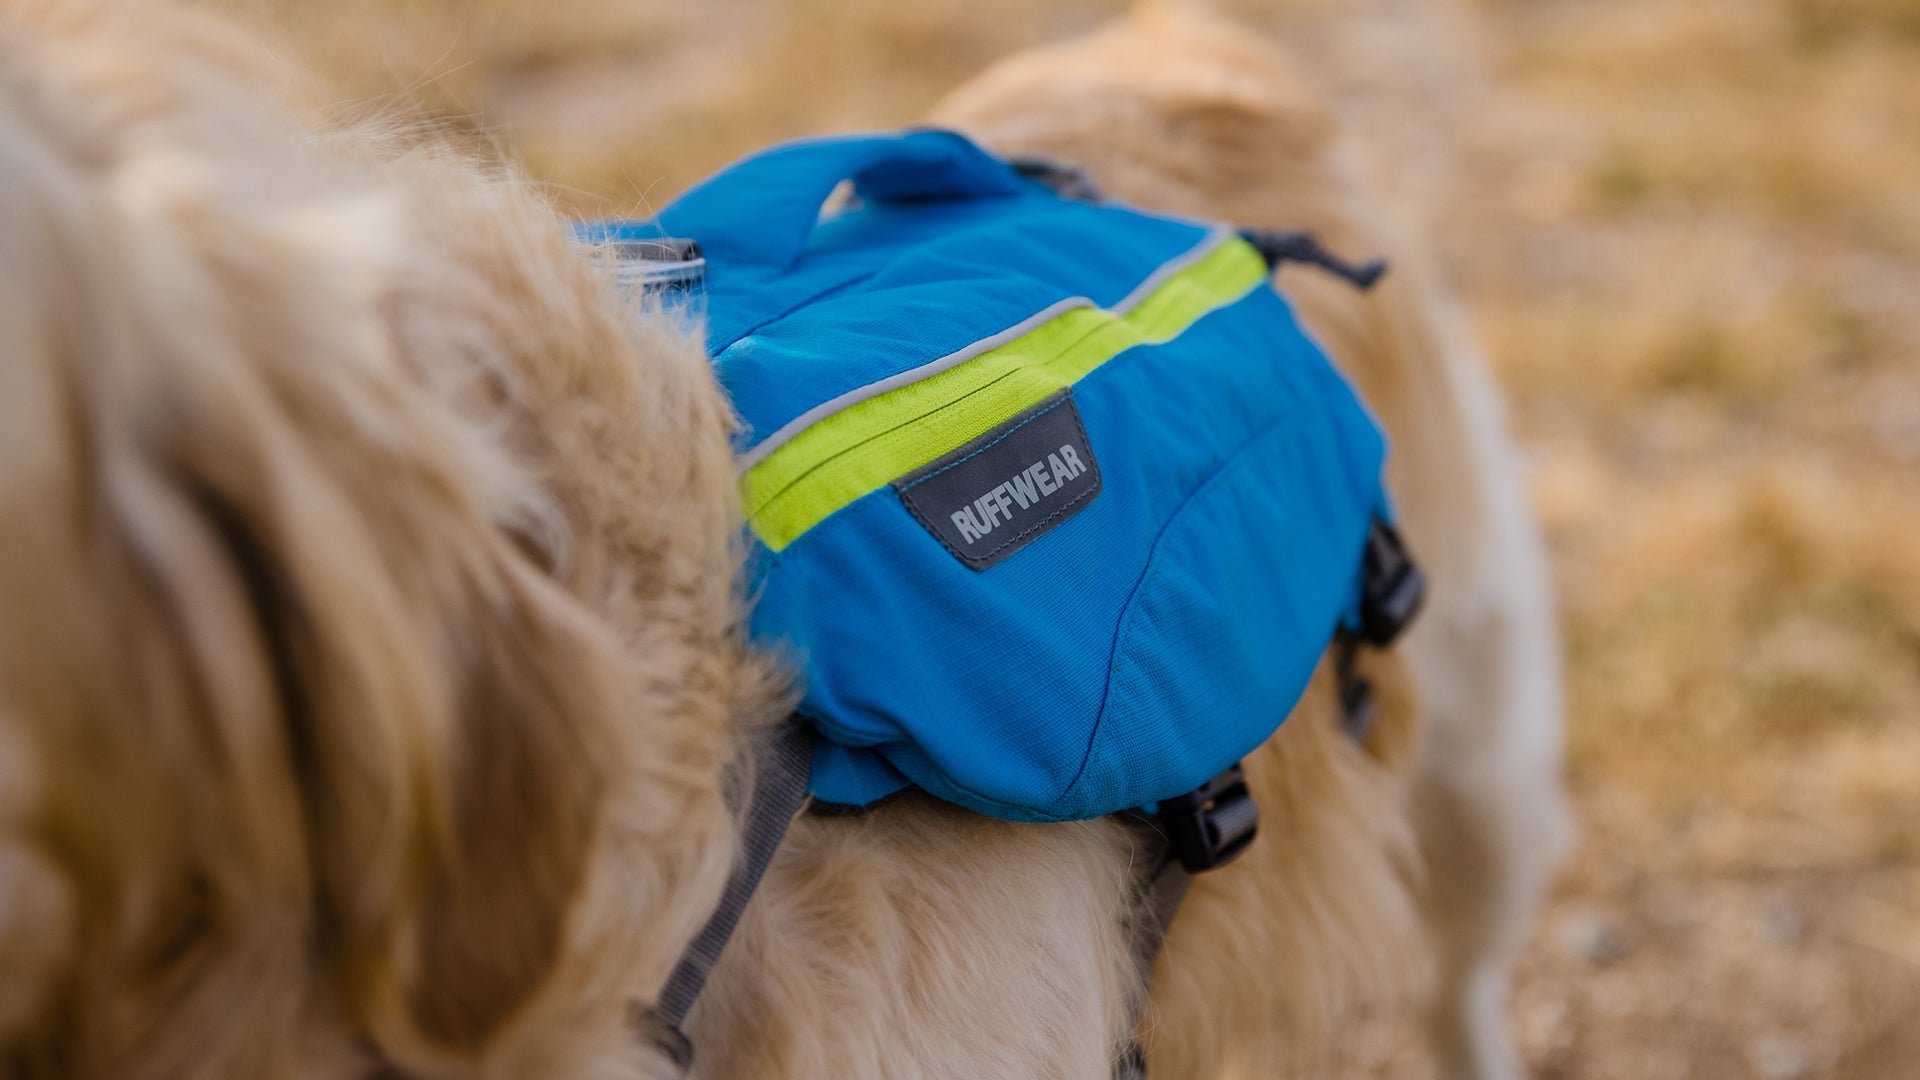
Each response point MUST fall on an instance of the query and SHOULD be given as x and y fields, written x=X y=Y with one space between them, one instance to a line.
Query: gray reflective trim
x=1214 y=238
x=653 y=274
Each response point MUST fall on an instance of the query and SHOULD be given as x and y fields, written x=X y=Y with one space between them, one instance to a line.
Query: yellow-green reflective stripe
x=873 y=442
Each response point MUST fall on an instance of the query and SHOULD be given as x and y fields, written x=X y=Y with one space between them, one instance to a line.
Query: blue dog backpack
x=1054 y=505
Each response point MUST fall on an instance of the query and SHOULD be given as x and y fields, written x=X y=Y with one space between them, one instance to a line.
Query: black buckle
x=1211 y=825
x=1392 y=588
x=1359 y=709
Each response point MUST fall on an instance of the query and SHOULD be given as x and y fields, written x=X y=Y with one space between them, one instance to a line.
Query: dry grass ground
x=1688 y=232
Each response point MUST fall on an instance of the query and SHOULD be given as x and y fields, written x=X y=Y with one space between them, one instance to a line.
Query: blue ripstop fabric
x=1129 y=653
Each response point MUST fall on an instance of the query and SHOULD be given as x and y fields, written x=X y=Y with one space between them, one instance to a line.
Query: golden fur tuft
x=369 y=655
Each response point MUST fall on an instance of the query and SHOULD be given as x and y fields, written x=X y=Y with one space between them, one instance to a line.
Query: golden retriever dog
x=370 y=654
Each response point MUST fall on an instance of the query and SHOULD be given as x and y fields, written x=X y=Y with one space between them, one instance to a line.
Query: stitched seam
x=1209 y=245
x=879 y=749
x=789 y=310
x=761 y=451
x=987 y=556
x=1060 y=399
x=909 y=422
x=1067 y=508
x=936 y=410
x=1073 y=504
x=914 y=509
x=1122 y=312
x=1040 y=525
x=1231 y=466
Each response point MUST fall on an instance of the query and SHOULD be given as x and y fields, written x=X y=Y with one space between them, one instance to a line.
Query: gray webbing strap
x=783 y=769
x=1164 y=890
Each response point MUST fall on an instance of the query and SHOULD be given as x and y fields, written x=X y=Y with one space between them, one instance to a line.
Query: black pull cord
x=1274 y=245
x=1063 y=178
x=1303 y=246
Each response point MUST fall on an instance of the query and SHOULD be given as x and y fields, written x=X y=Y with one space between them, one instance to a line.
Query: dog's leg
x=1488 y=804
x=1488 y=863
x=1479 y=896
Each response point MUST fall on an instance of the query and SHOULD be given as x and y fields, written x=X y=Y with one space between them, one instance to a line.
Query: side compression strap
x=1186 y=835
x=1165 y=888
x=780 y=789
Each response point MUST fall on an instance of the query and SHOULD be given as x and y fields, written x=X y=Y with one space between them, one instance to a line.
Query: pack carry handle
x=763 y=209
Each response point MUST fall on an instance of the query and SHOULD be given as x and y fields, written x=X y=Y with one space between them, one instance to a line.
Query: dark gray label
x=1000 y=492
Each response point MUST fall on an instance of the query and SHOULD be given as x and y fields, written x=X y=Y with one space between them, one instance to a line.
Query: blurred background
x=1688 y=233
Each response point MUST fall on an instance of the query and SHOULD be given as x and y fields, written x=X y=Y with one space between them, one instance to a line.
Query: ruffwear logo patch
x=1002 y=491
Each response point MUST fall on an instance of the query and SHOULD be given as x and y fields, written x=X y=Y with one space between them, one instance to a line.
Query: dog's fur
x=369 y=656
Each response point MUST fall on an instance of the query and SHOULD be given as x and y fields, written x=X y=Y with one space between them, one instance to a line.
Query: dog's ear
x=531 y=748
x=290 y=723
